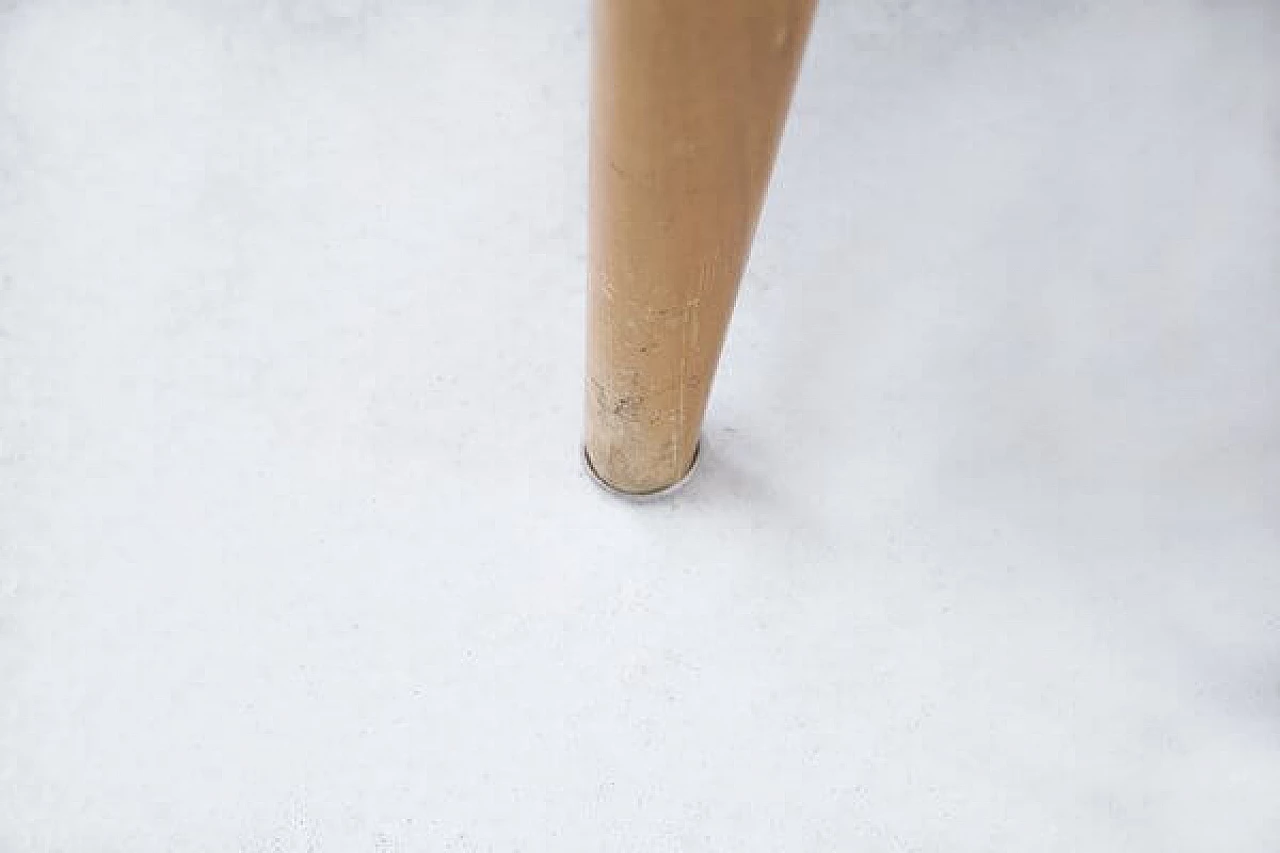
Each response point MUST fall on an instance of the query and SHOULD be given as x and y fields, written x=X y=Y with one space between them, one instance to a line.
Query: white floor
x=296 y=555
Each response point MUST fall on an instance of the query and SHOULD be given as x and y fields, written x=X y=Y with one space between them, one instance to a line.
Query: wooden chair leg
x=688 y=103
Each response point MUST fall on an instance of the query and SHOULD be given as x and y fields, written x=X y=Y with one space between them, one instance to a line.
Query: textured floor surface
x=296 y=555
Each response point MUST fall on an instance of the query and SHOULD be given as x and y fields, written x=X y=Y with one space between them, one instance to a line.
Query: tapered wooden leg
x=688 y=102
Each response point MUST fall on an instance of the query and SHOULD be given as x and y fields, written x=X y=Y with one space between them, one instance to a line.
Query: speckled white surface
x=296 y=554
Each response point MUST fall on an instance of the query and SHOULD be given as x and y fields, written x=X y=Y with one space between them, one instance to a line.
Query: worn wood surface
x=689 y=98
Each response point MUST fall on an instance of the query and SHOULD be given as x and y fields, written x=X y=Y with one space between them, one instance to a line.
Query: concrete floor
x=296 y=554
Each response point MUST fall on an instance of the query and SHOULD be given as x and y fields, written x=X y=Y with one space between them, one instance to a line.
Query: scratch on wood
x=689 y=338
x=643 y=180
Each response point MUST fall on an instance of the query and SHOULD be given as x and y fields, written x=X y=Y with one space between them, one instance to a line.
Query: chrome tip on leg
x=642 y=497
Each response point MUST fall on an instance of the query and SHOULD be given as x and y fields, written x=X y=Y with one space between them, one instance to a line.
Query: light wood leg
x=688 y=103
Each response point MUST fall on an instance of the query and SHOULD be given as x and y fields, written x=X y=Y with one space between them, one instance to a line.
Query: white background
x=296 y=555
